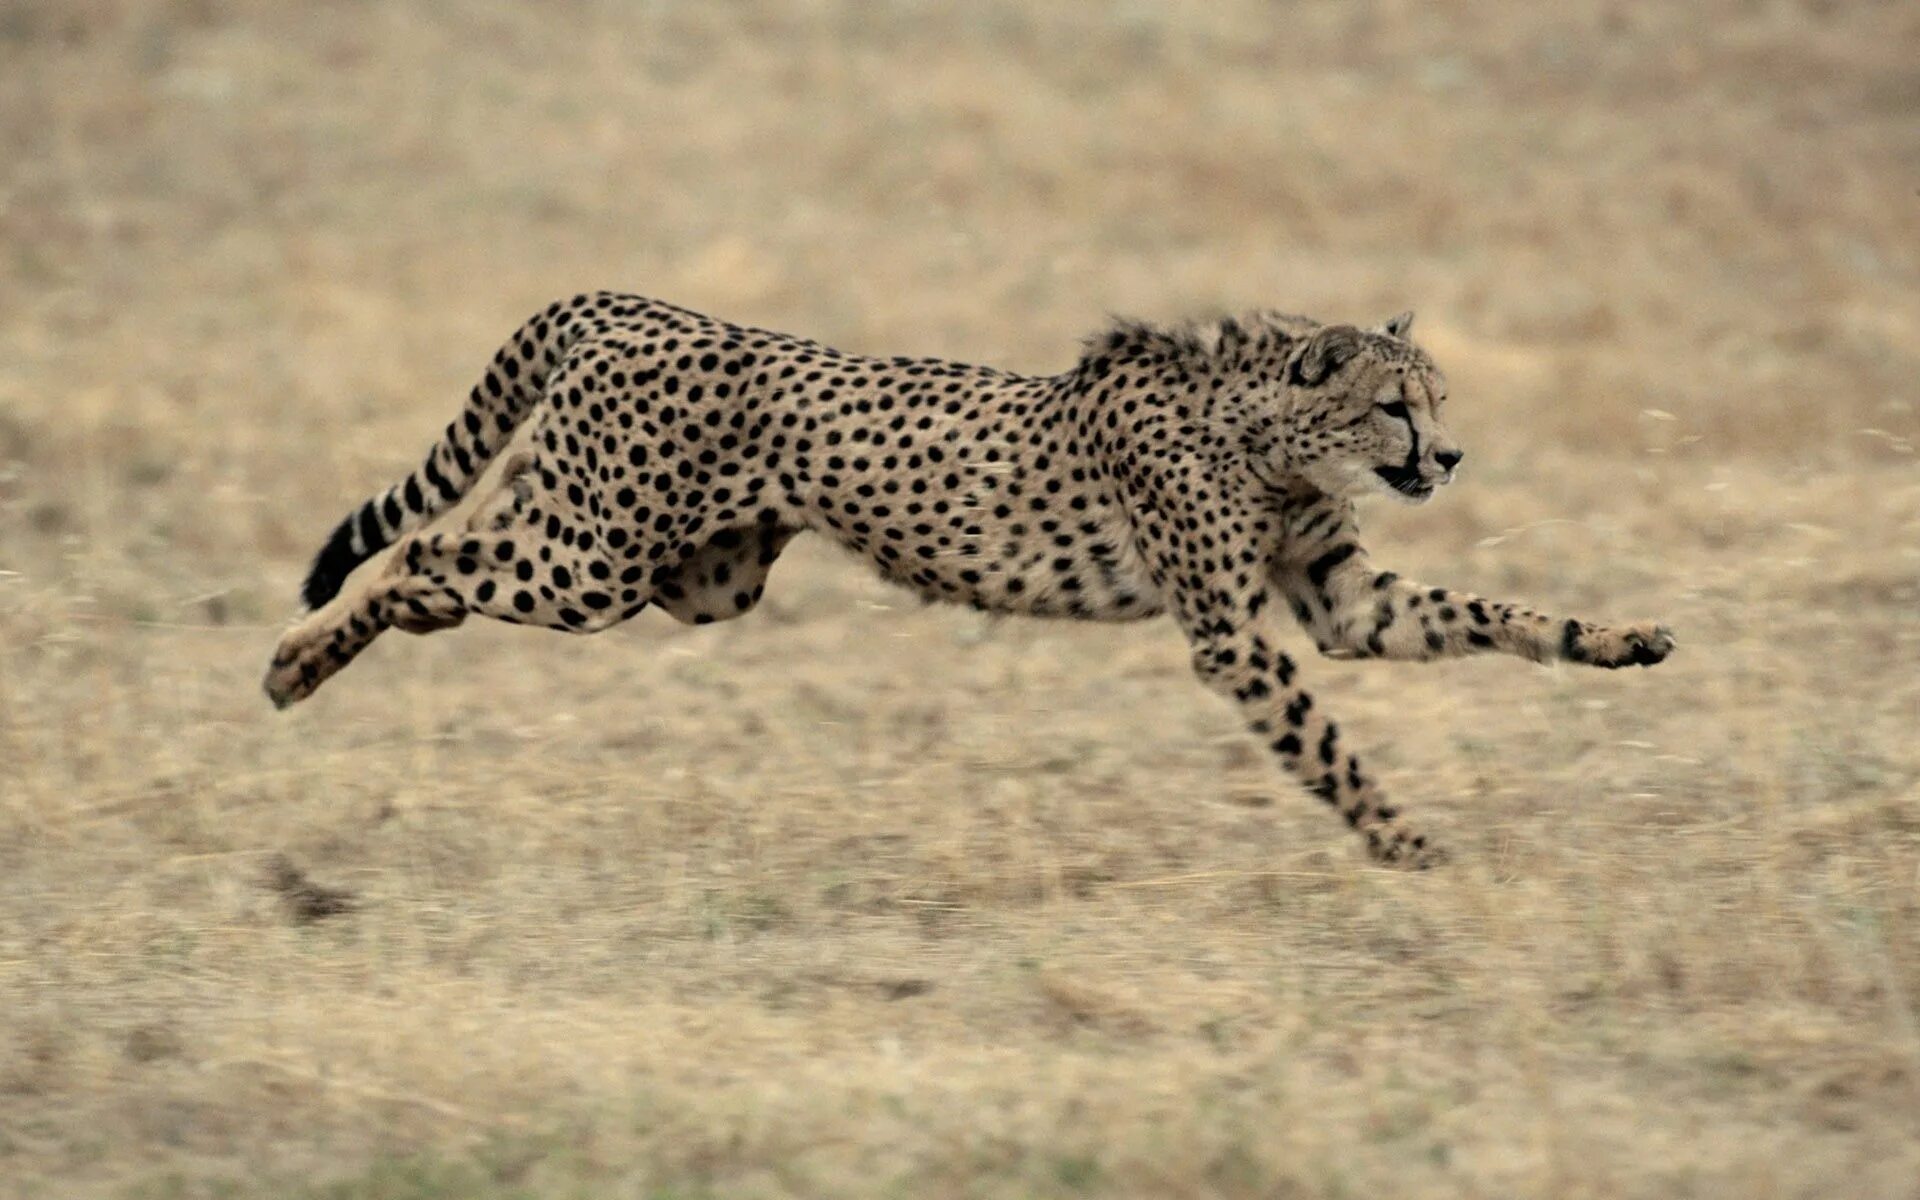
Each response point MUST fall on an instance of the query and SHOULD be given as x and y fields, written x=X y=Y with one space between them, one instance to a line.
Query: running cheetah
x=1208 y=472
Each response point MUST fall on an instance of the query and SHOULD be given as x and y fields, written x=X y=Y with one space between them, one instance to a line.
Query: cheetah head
x=1362 y=413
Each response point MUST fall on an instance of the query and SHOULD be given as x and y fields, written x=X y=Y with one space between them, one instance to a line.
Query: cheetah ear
x=1398 y=326
x=1330 y=348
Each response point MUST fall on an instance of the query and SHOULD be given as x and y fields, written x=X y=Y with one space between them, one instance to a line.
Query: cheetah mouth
x=1408 y=483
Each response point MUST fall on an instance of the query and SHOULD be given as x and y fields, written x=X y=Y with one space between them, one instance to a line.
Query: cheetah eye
x=1397 y=409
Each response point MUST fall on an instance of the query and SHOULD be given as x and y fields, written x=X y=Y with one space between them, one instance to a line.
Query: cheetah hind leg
x=501 y=509
x=399 y=596
x=434 y=581
x=498 y=512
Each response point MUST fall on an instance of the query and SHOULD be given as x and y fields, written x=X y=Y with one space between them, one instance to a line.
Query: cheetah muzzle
x=1207 y=472
x=1406 y=482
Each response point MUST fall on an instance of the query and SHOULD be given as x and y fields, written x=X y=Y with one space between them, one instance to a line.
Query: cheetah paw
x=290 y=681
x=301 y=663
x=1394 y=846
x=1639 y=645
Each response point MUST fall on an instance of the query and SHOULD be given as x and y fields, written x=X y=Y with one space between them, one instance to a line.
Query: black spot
x=1297 y=710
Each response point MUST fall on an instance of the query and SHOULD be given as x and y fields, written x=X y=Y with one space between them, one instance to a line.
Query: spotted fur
x=1207 y=472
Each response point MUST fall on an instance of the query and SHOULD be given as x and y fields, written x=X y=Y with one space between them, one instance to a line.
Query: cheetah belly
x=957 y=551
x=725 y=577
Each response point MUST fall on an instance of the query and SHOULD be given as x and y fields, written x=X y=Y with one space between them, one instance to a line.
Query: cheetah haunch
x=1207 y=472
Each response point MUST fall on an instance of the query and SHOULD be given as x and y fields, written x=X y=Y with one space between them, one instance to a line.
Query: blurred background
x=857 y=898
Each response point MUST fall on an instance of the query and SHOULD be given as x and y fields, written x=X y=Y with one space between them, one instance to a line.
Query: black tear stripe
x=1408 y=472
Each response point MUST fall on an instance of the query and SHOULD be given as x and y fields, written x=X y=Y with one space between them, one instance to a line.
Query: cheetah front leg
x=1235 y=658
x=1355 y=610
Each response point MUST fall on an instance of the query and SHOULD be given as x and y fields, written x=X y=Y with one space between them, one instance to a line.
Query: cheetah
x=1207 y=471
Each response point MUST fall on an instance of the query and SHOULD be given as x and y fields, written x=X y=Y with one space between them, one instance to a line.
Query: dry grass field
x=856 y=898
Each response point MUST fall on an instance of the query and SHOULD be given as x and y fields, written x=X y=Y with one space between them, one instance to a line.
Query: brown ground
x=853 y=898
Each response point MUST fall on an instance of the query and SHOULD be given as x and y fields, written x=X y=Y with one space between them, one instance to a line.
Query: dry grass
x=857 y=899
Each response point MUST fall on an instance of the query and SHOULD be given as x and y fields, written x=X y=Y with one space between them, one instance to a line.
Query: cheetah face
x=1363 y=414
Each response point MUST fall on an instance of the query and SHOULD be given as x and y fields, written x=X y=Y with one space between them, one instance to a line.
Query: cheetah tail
x=495 y=408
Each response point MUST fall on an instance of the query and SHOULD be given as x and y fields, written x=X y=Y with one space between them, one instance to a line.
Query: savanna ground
x=855 y=898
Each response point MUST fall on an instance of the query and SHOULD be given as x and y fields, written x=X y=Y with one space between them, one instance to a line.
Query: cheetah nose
x=1448 y=459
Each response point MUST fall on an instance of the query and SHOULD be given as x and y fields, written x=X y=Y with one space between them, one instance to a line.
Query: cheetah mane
x=1205 y=340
